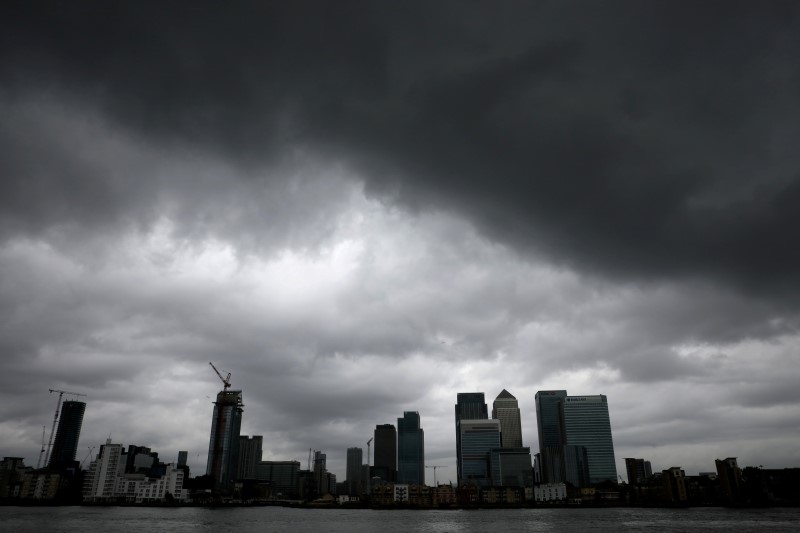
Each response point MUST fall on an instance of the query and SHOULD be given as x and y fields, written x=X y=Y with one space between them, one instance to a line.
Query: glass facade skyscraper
x=506 y=409
x=410 y=449
x=469 y=406
x=548 y=417
x=68 y=433
x=478 y=439
x=223 y=446
x=586 y=423
x=551 y=434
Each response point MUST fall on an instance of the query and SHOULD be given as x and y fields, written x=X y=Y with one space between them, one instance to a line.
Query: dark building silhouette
x=68 y=433
x=140 y=459
x=385 y=452
x=249 y=456
x=551 y=434
x=223 y=446
x=639 y=471
x=355 y=461
x=511 y=467
x=410 y=449
x=729 y=476
x=575 y=461
x=469 y=406
x=283 y=476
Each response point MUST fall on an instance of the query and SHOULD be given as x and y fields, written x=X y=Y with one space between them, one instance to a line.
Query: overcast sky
x=362 y=208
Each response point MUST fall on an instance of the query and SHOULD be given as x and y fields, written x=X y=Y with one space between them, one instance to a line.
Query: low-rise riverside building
x=443 y=495
x=502 y=495
x=41 y=485
x=550 y=492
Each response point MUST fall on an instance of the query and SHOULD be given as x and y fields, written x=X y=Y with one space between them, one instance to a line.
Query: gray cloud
x=316 y=197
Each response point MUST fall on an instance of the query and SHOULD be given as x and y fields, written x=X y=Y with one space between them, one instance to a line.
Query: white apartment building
x=550 y=492
x=106 y=480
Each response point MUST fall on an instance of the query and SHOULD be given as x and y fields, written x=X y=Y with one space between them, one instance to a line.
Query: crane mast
x=435 y=483
x=41 y=452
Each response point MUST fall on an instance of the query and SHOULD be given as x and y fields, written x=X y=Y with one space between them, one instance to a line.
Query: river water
x=265 y=519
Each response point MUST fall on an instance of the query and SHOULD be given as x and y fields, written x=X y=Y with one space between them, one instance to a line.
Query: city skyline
x=355 y=223
x=583 y=427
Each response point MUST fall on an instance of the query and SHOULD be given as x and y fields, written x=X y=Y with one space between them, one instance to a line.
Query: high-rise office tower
x=506 y=409
x=477 y=441
x=223 y=446
x=587 y=424
x=249 y=456
x=183 y=456
x=67 y=435
x=469 y=406
x=385 y=459
x=354 y=460
x=410 y=449
x=551 y=434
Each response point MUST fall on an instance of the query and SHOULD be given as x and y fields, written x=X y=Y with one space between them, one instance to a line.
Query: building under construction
x=223 y=446
x=67 y=436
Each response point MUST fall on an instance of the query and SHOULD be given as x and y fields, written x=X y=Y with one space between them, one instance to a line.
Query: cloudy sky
x=364 y=208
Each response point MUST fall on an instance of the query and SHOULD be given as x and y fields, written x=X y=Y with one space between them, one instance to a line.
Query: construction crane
x=91 y=449
x=435 y=484
x=41 y=452
x=61 y=394
x=226 y=382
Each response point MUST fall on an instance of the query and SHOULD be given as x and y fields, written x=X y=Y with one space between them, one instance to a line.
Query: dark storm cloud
x=648 y=139
x=593 y=197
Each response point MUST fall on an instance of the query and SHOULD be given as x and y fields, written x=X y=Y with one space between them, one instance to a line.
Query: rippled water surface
x=196 y=519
